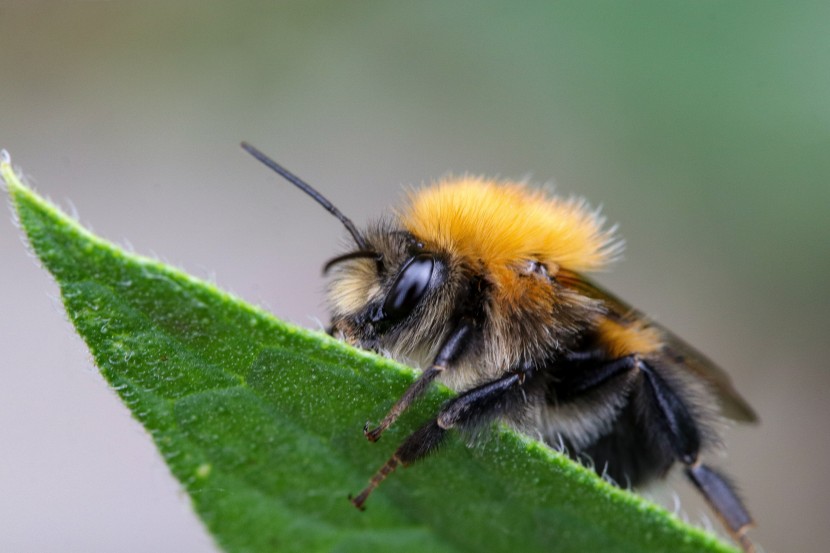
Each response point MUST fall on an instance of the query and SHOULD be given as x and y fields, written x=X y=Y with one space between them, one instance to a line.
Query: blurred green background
x=703 y=128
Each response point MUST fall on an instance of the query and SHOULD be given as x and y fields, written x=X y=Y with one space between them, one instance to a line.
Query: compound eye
x=409 y=287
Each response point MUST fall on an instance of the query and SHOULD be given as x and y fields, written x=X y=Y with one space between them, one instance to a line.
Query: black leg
x=477 y=406
x=450 y=350
x=675 y=419
x=482 y=404
x=582 y=372
x=721 y=496
x=682 y=433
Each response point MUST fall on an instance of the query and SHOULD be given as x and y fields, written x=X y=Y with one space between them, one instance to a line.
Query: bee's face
x=398 y=302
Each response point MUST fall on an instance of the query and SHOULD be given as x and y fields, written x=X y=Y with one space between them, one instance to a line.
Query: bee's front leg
x=451 y=349
x=474 y=407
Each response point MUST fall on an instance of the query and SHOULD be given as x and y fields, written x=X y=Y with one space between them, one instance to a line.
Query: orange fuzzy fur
x=501 y=223
x=626 y=339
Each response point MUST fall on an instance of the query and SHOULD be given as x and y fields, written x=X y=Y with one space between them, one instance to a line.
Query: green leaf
x=261 y=423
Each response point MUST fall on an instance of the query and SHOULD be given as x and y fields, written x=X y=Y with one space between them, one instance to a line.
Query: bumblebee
x=484 y=284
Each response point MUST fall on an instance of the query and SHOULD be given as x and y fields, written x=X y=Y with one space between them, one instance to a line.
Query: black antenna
x=305 y=187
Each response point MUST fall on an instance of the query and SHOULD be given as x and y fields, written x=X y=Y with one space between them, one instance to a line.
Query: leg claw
x=372 y=435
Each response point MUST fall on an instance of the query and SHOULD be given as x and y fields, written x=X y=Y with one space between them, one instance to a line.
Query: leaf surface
x=261 y=422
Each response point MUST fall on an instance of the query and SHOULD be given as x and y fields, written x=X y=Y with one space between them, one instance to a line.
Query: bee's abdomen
x=633 y=451
x=625 y=414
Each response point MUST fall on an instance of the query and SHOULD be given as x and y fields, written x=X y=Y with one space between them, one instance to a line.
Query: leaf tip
x=6 y=171
x=10 y=178
x=10 y=181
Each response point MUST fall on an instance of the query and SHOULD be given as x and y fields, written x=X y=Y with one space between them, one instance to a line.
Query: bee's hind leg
x=682 y=433
x=721 y=496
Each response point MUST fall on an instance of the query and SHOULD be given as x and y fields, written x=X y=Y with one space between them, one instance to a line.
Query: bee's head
x=397 y=299
x=391 y=292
